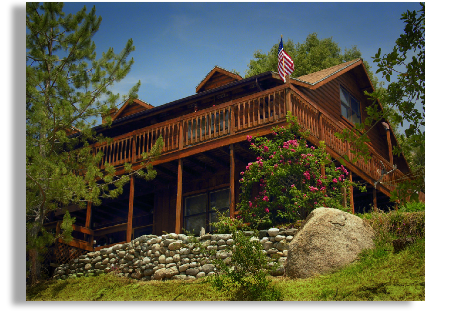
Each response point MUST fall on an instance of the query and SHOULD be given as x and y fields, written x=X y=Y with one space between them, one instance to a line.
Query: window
x=199 y=209
x=350 y=107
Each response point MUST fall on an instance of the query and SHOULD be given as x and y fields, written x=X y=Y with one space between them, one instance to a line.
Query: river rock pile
x=172 y=256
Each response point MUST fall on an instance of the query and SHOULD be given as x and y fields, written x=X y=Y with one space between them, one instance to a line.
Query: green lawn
x=379 y=275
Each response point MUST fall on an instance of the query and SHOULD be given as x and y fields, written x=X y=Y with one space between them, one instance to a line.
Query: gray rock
x=175 y=245
x=192 y=271
x=97 y=259
x=208 y=268
x=148 y=272
x=184 y=267
x=159 y=274
x=273 y=232
x=172 y=271
x=328 y=240
x=267 y=245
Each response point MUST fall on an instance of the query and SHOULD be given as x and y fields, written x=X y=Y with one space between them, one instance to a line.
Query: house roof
x=218 y=73
x=324 y=75
x=122 y=111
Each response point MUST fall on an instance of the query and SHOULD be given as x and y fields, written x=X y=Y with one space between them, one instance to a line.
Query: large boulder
x=328 y=240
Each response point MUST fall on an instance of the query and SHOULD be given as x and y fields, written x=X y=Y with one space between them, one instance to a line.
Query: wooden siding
x=217 y=80
x=130 y=110
x=327 y=97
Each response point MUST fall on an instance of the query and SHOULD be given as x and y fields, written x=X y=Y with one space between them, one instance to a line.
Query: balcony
x=232 y=121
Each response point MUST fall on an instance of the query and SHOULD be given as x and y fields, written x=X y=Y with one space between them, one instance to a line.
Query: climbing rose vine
x=285 y=183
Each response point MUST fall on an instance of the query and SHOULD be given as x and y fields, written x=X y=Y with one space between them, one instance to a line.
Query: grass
x=380 y=274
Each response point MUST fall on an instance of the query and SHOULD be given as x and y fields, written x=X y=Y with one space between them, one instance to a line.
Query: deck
x=232 y=121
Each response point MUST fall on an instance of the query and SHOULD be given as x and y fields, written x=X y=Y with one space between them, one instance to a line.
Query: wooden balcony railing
x=239 y=116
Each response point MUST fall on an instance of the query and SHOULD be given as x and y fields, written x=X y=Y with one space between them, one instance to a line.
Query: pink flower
x=249 y=138
x=249 y=203
x=292 y=185
x=242 y=173
x=266 y=210
x=275 y=166
x=265 y=198
x=334 y=180
x=266 y=149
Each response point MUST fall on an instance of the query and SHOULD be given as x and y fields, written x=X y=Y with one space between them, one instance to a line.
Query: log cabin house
x=205 y=148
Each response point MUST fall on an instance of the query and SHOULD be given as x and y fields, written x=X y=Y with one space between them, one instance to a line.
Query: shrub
x=396 y=224
x=287 y=174
x=227 y=225
x=412 y=207
x=245 y=277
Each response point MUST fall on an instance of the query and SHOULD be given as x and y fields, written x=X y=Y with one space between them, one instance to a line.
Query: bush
x=396 y=225
x=287 y=174
x=412 y=207
x=245 y=277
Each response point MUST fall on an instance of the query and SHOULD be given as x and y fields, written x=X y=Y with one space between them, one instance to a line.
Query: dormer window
x=350 y=107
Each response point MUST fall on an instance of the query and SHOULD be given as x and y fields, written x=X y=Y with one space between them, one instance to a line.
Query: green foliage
x=66 y=227
x=405 y=95
x=287 y=176
x=67 y=90
x=313 y=55
x=226 y=225
x=412 y=207
x=246 y=276
x=396 y=224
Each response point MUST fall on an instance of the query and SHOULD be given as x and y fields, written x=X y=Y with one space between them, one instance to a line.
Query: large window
x=199 y=210
x=350 y=107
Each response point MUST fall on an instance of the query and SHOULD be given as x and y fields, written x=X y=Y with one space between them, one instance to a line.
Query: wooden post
x=344 y=195
x=232 y=179
x=389 y=142
x=288 y=101
x=391 y=157
x=352 y=204
x=180 y=136
x=178 y=209
x=232 y=119
x=375 y=208
x=321 y=138
x=133 y=149
x=130 y=210
x=88 y=219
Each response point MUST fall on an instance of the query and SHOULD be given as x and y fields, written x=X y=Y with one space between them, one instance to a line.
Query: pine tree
x=67 y=90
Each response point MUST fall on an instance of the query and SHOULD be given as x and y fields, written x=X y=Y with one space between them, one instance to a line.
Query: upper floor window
x=350 y=107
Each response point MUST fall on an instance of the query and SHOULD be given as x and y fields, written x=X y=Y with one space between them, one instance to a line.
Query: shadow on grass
x=36 y=291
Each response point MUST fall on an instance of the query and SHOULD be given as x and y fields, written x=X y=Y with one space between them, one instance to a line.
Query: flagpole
x=284 y=67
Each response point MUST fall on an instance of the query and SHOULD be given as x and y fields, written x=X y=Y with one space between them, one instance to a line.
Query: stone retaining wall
x=171 y=256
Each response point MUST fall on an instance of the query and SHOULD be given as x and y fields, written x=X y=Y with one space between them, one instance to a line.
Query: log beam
x=232 y=180
x=178 y=209
x=130 y=210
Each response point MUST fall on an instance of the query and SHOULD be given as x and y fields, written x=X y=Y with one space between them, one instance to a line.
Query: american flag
x=285 y=63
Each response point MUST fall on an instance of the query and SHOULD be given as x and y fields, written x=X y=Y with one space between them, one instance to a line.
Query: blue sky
x=177 y=44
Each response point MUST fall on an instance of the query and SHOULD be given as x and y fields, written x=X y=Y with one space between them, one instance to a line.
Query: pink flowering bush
x=287 y=179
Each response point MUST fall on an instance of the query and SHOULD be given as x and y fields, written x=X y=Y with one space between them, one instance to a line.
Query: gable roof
x=316 y=79
x=215 y=78
x=131 y=107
